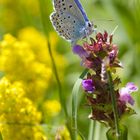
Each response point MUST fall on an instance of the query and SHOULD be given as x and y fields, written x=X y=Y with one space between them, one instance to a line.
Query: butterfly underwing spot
x=70 y=6
x=59 y=5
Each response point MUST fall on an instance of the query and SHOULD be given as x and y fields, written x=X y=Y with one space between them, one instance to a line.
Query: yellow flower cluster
x=26 y=66
x=27 y=60
x=19 y=119
x=19 y=63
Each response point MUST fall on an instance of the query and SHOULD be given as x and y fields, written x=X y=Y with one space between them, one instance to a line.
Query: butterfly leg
x=87 y=36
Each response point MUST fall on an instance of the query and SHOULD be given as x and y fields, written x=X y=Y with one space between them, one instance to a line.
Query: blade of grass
x=45 y=25
x=91 y=130
x=97 y=132
x=75 y=102
x=94 y=130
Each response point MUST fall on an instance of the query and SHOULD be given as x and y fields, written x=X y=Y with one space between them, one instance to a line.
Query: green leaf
x=75 y=102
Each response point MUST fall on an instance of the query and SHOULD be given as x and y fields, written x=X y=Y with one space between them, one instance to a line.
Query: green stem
x=114 y=104
x=45 y=25
x=91 y=130
x=74 y=103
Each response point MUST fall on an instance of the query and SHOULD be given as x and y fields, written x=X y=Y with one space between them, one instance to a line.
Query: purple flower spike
x=126 y=91
x=88 y=85
x=80 y=51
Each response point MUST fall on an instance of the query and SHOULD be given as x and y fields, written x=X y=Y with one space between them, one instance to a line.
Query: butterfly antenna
x=114 y=30
x=103 y=20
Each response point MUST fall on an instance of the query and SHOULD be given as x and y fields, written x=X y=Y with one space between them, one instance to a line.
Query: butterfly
x=70 y=20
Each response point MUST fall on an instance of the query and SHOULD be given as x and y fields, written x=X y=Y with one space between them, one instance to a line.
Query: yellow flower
x=52 y=108
x=19 y=118
x=19 y=63
x=26 y=63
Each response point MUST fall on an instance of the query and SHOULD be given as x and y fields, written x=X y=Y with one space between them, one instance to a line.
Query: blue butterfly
x=70 y=20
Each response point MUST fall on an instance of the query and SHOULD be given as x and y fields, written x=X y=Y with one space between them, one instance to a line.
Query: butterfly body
x=70 y=20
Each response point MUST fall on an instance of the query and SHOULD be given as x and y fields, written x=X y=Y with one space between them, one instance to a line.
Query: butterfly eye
x=89 y=24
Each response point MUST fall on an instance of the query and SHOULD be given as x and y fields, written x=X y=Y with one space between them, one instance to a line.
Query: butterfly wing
x=67 y=26
x=71 y=6
x=68 y=19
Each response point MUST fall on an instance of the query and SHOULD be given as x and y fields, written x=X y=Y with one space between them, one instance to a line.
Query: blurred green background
x=106 y=14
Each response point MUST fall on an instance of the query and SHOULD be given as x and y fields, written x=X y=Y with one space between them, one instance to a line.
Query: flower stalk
x=114 y=105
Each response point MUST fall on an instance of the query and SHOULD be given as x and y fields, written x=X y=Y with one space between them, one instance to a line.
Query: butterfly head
x=89 y=28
